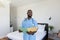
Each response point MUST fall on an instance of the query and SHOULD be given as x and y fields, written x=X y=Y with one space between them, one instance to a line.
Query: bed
x=40 y=35
x=46 y=29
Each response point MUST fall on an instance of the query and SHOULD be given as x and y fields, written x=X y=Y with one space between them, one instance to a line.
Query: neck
x=29 y=17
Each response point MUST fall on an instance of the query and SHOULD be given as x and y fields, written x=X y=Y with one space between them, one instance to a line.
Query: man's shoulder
x=25 y=19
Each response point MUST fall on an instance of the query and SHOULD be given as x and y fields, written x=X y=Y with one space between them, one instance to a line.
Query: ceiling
x=23 y=2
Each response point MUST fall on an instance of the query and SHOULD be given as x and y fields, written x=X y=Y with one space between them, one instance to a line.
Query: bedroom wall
x=54 y=12
x=4 y=18
x=41 y=12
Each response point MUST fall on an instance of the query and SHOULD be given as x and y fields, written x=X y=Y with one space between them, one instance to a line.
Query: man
x=27 y=23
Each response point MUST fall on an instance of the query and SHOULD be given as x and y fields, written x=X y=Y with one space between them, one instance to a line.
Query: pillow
x=41 y=28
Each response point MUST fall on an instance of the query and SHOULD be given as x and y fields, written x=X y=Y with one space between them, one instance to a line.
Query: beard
x=29 y=16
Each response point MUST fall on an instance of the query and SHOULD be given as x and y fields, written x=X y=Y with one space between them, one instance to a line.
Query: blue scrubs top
x=27 y=23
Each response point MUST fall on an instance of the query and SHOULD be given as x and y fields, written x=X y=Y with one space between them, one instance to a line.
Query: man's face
x=29 y=13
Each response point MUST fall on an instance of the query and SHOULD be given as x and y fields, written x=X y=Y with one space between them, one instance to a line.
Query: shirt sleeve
x=34 y=22
x=22 y=24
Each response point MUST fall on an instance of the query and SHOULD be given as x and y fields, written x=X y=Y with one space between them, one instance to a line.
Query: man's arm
x=21 y=27
x=34 y=22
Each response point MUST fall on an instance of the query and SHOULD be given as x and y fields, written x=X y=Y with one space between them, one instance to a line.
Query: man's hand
x=31 y=33
x=20 y=31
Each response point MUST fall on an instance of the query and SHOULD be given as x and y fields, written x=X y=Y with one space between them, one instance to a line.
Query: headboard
x=46 y=26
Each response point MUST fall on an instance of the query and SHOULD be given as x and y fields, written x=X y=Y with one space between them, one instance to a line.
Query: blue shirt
x=27 y=23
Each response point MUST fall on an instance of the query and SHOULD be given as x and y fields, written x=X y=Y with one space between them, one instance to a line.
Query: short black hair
x=29 y=10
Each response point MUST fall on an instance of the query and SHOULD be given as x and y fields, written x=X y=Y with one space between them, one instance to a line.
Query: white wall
x=4 y=19
x=41 y=12
x=54 y=11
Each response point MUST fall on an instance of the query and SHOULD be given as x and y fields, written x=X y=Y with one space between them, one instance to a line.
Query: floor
x=5 y=38
x=50 y=39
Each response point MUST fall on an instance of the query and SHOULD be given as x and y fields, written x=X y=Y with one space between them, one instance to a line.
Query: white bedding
x=19 y=36
x=40 y=35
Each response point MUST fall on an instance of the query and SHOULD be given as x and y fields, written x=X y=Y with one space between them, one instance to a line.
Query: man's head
x=29 y=13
